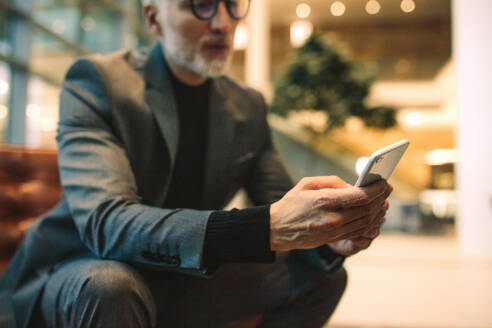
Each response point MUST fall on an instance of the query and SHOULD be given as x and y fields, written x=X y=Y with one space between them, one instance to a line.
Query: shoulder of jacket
x=249 y=94
x=121 y=71
x=116 y=63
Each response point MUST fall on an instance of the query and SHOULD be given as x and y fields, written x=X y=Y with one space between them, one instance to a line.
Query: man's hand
x=348 y=247
x=322 y=210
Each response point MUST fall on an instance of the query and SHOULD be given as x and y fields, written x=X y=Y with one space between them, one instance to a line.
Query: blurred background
x=344 y=79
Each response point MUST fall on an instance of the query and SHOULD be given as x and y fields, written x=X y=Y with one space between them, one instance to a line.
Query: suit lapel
x=160 y=97
x=221 y=126
x=221 y=131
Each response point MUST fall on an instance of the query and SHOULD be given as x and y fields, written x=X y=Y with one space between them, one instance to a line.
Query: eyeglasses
x=207 y=9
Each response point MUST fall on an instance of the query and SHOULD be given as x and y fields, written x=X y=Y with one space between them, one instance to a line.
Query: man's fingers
x=362 y=243
x=354 y=196
x=323 y=182
x=390 y=188
x=361 y=225
x=353 y=234
x=348 y=215
x=372 y=233
x=369 y=222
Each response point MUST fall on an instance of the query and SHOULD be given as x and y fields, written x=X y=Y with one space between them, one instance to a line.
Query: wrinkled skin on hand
x=348 y=247
x=326 y=210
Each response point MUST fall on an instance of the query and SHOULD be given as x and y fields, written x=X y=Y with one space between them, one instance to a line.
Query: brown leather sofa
x=29 y=187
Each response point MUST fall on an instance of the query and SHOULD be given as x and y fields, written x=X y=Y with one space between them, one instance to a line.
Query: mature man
x=151 y=146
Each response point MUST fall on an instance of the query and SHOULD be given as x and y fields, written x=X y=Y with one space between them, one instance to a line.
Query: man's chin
x=213 y=68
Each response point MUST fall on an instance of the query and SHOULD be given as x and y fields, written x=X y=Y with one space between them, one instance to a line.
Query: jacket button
x=175 y=260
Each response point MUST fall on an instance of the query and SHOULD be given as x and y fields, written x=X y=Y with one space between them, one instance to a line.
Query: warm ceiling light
x=414 y=119
x=300 y=31
x=337 y=8
x=241 y=37
x=373 y=7
x=303 y=10
x=441 y=156
x=407 y=6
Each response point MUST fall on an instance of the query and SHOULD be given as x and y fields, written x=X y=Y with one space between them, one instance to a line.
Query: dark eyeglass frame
x=216 y=8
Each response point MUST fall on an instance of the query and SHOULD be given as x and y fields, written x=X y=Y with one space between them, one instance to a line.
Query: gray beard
x=191 y=59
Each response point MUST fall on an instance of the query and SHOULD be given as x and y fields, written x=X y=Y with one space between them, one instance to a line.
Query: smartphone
x=382 y=163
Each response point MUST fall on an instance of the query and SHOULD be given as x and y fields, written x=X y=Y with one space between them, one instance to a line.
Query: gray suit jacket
x=117 y=142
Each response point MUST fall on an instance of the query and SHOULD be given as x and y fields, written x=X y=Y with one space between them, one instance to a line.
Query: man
x=151 y=146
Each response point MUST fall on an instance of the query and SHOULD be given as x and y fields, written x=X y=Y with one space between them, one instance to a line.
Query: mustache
x=218 y=37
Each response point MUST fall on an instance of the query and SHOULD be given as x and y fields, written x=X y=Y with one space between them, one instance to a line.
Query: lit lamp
x=241 y=37
x=337 y=8
x=300 y=31
x=407 y=6
x=373 y=7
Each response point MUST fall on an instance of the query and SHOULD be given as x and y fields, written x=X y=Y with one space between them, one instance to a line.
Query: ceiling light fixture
x=337 y=8
x=300 y=31
x=407 y=6
x=414 y=119
x=303 y=10
x=373 y=7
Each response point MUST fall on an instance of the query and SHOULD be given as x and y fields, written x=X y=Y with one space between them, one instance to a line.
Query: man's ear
x=152 y=19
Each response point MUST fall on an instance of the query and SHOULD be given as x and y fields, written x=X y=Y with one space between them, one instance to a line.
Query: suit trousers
x=90 y=292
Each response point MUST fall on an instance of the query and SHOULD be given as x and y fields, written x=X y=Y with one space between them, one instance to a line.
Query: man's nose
x=222 y=21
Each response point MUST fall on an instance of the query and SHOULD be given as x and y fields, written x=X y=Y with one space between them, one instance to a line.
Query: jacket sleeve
x=101 y=190
x=268 y=183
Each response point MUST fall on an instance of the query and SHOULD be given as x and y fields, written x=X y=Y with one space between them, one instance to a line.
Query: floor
x=409 y=282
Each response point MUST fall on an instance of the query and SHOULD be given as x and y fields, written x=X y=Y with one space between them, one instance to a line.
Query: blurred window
x=59 y=31
x=4 y=96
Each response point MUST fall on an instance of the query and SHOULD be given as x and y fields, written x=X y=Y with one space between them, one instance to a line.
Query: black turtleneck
x=186 y=187
x=232 y=236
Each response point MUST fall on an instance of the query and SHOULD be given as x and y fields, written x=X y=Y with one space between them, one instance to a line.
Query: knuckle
x=376 y=209
x=305 y=182
x=327 y=226
x=364 y=199
x=338 y=219
x=323 y=201
x=331 y=224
